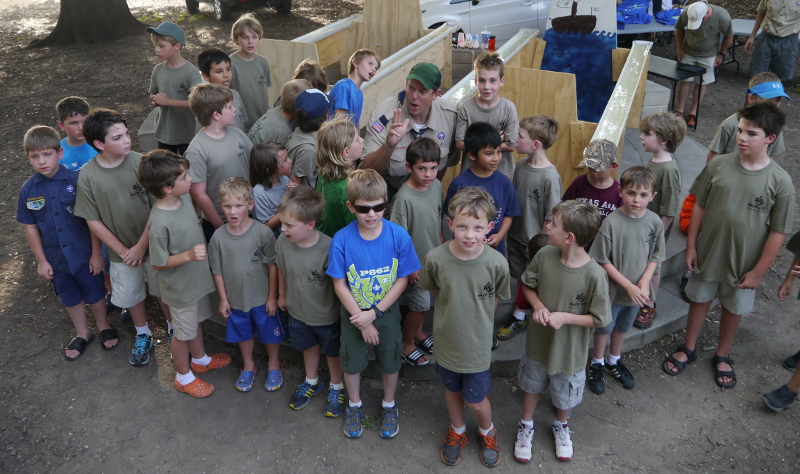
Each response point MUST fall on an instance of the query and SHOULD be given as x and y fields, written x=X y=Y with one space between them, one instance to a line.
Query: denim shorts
x=473 y=387
x=305 y=337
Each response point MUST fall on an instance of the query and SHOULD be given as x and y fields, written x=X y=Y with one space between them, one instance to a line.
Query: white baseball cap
x=696 y=12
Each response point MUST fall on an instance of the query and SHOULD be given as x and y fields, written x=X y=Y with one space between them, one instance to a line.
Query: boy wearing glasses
x=370 y=260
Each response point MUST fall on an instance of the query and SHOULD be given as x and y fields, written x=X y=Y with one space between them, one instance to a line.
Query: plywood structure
x=530 y=56
x=284 y=56
x=387 y=26
x=618 y=58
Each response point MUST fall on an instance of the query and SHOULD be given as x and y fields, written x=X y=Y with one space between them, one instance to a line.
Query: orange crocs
x=197 y=389
x=217 y=361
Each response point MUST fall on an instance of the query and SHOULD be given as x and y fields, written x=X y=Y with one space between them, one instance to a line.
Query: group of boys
x=343 y=295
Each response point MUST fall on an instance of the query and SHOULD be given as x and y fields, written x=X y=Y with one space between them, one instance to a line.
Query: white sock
x=142 y=330
x=520 y=315
x=185 y=379
x=459 y=430
x=527 y=424
x=612 y=359
x=202 y=361
x=353 y=405
x=312 y=381
x=558 y=423
x=485 y=432
x=169 y=326
x=598 y=361
x=387 y=405
x=337 y=386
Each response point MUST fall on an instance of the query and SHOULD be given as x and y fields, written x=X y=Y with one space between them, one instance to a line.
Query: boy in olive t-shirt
x=469 y=277
x=569 y=295
x=745 y=207
x=178 y=252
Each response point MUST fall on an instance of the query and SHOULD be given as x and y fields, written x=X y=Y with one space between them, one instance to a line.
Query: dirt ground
x=102 y=415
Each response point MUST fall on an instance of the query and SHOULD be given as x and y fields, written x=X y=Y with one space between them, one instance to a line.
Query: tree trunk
x=91 y=22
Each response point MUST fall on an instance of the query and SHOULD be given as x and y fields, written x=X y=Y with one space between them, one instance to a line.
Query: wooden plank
x=284 y=56
x=552 y=93
x=390 y=25
x=333 y=49
x=530 y=56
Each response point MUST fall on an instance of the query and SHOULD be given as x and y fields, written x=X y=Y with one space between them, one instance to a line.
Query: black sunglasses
x=365 y=209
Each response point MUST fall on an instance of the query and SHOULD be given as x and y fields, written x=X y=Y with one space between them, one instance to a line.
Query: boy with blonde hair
x=242 y=258
x=468 y=279
x=72 y=112
x=538 y=188
x=215 y=67
x=216 y=153
x=370 y=261
x=276 y=124
x=71 y=259
x=488 y=106
x=569 y=295
x=251 y=73
x=314 y=311
x=178 y=252
x=346 y=97
x=170 y=84
x=629 y=247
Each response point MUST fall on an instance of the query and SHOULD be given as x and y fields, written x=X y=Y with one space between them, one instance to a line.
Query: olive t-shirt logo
x=487 y=291
x=184 y=90
x=757 y=204
x=651 y=237
x=578 y=301
x=535 y=195
x=315 y=277
x=137 y=190
x=242 y=154
x=256 y=256
x=262 y=81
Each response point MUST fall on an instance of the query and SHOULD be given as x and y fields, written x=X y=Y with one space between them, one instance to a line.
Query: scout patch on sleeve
x=376 y=125
x=36 y=203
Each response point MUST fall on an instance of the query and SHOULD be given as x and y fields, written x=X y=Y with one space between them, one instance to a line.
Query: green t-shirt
x=173 y=125
x=629 y=244
x=741 y=207
x=668 y=188
x=243 y=260
x=115 y=197
x=724 y=140
x=582 y=290
x=213 y=160
x=252 y=79
x=302 y=149
x=538 y=192
x=502 y=116
x=310 y=296
x=336 y=214
x=463 y=320
x=271 y=127
x=703 y=42
x=171 y=233
x=420 y=213
x=238 y=121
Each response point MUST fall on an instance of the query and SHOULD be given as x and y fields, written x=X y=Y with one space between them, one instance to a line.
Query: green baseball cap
x=426 y=73
x=169 y=29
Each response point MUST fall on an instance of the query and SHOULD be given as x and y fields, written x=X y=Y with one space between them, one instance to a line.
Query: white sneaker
x=563 y=442
x=524 y=444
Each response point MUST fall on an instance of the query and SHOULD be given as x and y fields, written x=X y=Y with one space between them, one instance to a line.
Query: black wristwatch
x=378 y=313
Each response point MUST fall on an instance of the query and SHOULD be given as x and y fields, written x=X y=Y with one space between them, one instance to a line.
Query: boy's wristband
x=378 y=312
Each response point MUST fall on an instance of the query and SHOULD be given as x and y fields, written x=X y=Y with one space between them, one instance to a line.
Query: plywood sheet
x=390 y=25
x=530 y=56
x=333 y=49
x=284 y=56
x=580 y=136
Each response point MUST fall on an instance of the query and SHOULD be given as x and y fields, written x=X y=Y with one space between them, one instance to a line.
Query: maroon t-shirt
x=605 y=200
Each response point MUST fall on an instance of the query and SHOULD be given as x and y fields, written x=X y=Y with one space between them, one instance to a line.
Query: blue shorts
x=80 y=287
x=473 y=387
x=244 y=326
x=305 y=337
x=622 y=318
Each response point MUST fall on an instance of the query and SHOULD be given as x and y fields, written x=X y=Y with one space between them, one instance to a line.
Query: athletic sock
x=612 y=359
x=459 y=430
x=185 y=379
x=202 y=361
x=337 y=386
x=312 y=381
x=354 y=405
x=598 y=361
x=527 y=424
x=142 y=330
x=169 y=326
x=485 y=432
x=387 y=404
x=520 y=315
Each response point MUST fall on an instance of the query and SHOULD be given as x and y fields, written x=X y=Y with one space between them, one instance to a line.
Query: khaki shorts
x=735 y=300
x=708 y=63
x=128 y=283
x=566 y=391
x=186 y=319
x=415 y=298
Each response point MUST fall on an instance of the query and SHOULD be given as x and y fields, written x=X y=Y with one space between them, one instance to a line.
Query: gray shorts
x=622 y=318
x=186 y=319
x=776 y=54
x=735 y=300
x=566 y=391
x=415 y=298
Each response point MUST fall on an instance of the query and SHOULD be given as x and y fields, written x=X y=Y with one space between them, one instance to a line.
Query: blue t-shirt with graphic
x=499 y=187
x=346 y=96
x=76 y=156
x=371 y=266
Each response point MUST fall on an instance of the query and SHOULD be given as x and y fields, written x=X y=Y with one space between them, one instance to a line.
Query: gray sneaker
x=790 y=363
x=352 y=422
x=490 y=451
x=780 y=398
x=389 y=425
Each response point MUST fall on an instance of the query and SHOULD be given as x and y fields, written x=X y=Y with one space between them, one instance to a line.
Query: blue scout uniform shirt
x=50 y=204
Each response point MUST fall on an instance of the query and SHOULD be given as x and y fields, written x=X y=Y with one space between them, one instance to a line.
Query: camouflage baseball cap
x=600 y=154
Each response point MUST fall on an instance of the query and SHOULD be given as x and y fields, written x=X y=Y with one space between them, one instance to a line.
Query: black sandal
x=718 y=374
x=108 y=335
x=679 y=364
x=78 y=344
x=425 y=345
x=414 y=358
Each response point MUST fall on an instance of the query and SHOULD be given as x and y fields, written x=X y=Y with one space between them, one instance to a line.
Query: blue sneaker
x=389 y=425
x=303 y=395
x=140 y=355
x=352 y=422
x=335 y=404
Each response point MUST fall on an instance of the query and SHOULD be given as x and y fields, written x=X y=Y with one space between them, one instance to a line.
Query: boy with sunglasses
x=370 y=261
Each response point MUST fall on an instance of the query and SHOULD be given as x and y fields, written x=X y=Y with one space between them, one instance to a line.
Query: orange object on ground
x=686 y=213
